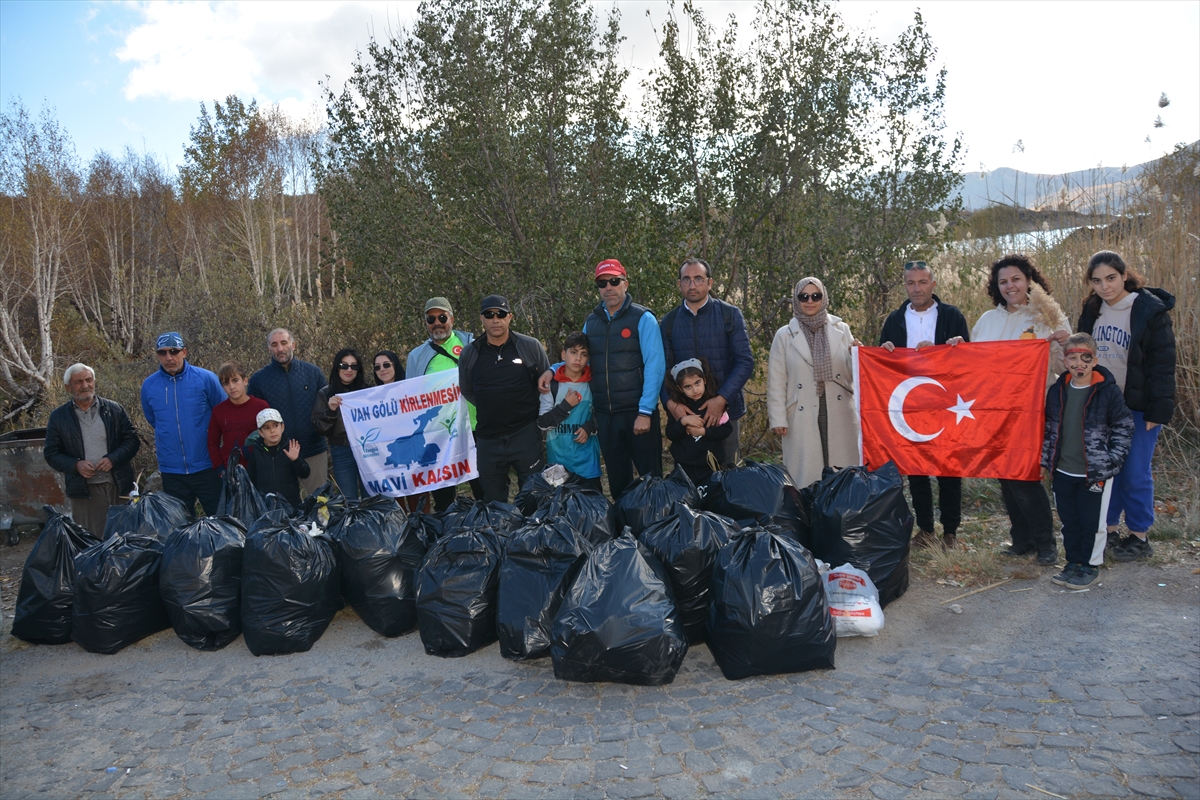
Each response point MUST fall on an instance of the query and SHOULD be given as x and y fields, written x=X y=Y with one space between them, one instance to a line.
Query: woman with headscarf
x=1025 y=310
x=345 y=376
x=810 y=387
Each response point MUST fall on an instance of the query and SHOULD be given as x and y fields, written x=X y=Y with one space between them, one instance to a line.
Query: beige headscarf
x=814 y=332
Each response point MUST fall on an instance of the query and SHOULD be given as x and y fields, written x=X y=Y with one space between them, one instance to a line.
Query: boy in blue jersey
x=566 y=414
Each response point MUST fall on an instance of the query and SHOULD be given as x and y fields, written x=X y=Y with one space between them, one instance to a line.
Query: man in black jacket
x=924 y=320
x=502 y=373
x=91 y=441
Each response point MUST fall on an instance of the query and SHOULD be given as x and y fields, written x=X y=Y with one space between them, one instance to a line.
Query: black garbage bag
x=456 y=593
x=540 y=487
x=764 y=493
x=540 y=561
x=587 y=510
x=651 y=498
x=861 y=517
x=768 y=612
x=618 y=622
x=117 y=601
x=290 y=586
x=686 y=544
x=426 y=527
x=503 y=518
x=279 y=505
x=200 y=579
x=43 y=612
x=454 y=512
x=239 y=497
x=323 y=506
x=378 y=555
x=154 y=514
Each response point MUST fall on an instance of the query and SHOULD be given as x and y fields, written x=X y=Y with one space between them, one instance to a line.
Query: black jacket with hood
x=1107 y=426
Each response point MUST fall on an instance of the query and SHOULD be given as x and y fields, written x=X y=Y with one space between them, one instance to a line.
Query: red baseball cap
x=610 y=266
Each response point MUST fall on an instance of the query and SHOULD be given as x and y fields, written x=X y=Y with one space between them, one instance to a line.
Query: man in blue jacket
x=177 y=401
x=628 y=368
x=290 y=386
x=704 y=327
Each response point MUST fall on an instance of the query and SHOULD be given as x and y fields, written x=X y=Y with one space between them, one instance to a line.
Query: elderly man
x=502 y=374
x=290 y=386
x=704 y=327
x=91 y=441
x=440 y=352
x=177 y=401
x=921 y=321
x=628 y=367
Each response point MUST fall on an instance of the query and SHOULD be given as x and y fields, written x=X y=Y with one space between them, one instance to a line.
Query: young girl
x=695 y=447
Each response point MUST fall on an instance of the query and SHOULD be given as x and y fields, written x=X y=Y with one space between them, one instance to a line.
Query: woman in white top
x=1025 y=310
x=810 y=387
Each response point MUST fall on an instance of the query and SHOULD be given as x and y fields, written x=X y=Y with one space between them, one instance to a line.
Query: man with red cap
x=628 y=366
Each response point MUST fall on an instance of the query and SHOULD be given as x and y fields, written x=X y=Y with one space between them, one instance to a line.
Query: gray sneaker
x=1132 y=548
x=1064 y=577
x=1085 y=575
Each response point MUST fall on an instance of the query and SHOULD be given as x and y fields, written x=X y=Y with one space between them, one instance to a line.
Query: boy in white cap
x=272 y=466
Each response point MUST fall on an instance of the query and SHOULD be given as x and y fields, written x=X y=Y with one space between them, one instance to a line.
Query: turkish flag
x=972 y=411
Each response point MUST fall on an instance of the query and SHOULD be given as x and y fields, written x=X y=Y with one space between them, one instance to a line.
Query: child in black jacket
x=272 y=466
x=695 y=446
x=1088 y=432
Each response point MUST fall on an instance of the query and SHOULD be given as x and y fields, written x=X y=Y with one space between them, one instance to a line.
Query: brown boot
x=923 y=539
x=949 y=541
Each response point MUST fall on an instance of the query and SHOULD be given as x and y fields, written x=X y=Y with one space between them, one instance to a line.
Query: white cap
x=268 y=415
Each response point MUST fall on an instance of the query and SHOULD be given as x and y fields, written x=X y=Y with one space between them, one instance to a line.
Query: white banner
x=411 y=436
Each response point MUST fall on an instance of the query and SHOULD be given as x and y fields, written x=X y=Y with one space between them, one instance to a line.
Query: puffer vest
x=615 y=356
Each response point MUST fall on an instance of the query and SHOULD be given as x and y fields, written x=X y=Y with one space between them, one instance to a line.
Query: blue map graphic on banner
x=413 y=449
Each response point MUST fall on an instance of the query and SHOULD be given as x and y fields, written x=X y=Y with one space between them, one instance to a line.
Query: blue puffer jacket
x=716 y=333
x=179 y=407
x=293 y=392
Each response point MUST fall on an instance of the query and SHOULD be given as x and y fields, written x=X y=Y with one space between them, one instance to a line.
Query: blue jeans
x=1133 y=488
x=345 y=471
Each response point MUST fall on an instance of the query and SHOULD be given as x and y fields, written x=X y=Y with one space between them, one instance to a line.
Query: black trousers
x=949 y=502
x=443 y=498
x=204 y=486
x=1028 y=509
x=1079 y=504
x=520 y=451
x=623 y=450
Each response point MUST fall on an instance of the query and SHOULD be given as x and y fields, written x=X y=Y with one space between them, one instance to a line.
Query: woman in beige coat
x=810 y=387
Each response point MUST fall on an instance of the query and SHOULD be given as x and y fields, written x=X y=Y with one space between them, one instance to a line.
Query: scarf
x=814 y=332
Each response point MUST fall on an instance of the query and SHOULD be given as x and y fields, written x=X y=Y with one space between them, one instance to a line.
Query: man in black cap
x=502 y=373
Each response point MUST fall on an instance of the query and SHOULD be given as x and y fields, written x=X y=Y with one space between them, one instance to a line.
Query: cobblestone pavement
x=1092 y=694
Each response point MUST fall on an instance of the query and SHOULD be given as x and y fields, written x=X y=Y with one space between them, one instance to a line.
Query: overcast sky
x=1076 y=83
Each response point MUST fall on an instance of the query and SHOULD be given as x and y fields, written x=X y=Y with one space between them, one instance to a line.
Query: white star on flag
x=962 y=409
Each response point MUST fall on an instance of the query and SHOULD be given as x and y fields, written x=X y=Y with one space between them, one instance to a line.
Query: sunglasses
x=915 y=265
x=172 y=351
x=353 y=367
x=430 y=319
x=383 y=366
x=493 y=313
x=804 y=297
x=602 y=282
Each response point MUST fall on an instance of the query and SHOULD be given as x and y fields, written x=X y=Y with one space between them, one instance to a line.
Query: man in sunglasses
x=704 y=327
x=628 y=367
x=290 y=386
x=177 y=401
x=503 y=373
x=921 y=321
x=440 y=352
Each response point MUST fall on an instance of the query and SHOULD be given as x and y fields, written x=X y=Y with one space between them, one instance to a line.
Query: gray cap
x=439 y=303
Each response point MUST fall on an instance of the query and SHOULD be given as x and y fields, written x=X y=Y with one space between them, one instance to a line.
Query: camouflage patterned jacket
x=1107 y=426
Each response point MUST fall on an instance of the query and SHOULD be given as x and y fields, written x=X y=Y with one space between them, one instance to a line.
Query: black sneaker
x=1084 y=576
x=1132 y=548
x=1114 y=540
x=1048 y=557
x=1062 y=578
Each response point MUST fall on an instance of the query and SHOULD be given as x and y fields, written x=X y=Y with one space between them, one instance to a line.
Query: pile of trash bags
x=608 y=592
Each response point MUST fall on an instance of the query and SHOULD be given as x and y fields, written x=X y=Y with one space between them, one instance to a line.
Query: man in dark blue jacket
x=177 y=400
x=290 y=386
x=626 y=357
x=704 y=327
x=91 y=441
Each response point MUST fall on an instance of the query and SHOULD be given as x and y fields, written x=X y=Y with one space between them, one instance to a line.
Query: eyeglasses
x=804 y=297
x=915 y=265
x=383 y=366
x=173 y=351
x=696 y=281
x=602 y=282
x=431 y=318
x=493 y=313
x=352 y=367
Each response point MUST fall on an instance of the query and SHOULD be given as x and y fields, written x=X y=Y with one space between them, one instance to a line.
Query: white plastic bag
x=853 y=602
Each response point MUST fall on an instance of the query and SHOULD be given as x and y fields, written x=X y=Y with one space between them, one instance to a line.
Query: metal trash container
x=27 y=482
